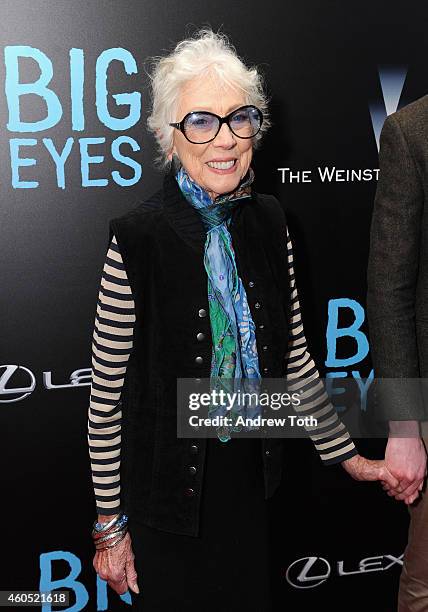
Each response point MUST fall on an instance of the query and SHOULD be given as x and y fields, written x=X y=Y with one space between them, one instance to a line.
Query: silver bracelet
x=110 y=536
x=121 y=519
x=114 y=543
x=99 y=527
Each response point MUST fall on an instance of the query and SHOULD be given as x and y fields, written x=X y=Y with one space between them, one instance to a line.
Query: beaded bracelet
x=120 y=518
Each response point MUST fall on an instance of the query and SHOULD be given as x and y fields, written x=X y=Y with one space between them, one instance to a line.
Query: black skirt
x=226 y=568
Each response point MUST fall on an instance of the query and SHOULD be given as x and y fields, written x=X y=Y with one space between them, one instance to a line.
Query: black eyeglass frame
x=225 y=119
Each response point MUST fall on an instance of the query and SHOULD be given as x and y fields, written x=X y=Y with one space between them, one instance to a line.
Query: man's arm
x=392 y=275
x=392 y=278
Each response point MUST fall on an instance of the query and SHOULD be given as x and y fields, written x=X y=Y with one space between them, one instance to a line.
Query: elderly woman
x=198 y=282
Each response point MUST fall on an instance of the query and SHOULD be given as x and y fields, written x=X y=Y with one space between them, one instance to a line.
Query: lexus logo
x=12 y=391
x=308 y=572
x=19 y=393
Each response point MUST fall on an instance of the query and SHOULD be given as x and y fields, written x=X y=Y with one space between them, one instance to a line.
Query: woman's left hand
x=361 y=468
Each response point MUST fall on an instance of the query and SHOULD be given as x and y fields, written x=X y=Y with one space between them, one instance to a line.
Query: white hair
x=207 y=52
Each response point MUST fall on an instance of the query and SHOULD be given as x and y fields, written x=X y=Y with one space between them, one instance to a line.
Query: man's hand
x=406 y=459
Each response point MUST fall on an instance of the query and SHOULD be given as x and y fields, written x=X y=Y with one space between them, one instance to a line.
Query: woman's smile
x=223 y=166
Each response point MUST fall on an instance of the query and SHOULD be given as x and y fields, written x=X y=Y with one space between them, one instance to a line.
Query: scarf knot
x=213 y=213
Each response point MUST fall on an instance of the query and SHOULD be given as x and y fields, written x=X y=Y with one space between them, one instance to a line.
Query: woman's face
x=207 y=93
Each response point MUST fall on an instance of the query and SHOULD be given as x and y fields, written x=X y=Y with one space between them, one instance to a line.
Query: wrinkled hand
x=116 y=566
x=361 y=468
x=406 y=458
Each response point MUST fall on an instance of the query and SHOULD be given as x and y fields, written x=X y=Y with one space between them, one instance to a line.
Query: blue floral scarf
x=234 y=350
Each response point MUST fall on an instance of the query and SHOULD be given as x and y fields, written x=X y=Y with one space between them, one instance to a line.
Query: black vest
x=162 y=244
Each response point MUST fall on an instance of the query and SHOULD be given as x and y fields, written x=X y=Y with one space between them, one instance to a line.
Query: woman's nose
x=225 y=137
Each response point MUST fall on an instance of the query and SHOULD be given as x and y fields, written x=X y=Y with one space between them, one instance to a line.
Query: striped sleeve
x=111 y=346
x=330 y=436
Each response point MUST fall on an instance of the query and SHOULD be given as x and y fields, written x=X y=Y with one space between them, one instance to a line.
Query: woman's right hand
x=116 y=566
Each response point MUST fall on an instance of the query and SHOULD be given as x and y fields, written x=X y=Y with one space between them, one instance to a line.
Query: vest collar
x=184 y=218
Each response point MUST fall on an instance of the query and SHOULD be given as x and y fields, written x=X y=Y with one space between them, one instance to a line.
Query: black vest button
x=192 y=469
x=194 y=449
x=265 y=348
x=251 y=284
x=199 y=359
x=202 y=312
x=257 y=304
x=200 y=336
x=267 y=453
x=189 y=492
x=265 y=370
x=261 y=326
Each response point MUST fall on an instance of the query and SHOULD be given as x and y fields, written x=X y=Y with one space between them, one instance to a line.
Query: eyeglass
x=200 y=127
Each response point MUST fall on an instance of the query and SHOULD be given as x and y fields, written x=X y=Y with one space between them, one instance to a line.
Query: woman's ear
x=172 y=151
x=175 y=162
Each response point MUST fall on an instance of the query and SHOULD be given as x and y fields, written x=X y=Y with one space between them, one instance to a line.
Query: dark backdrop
x=334 y=70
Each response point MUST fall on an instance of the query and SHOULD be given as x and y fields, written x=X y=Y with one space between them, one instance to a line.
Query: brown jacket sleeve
x=393 y=276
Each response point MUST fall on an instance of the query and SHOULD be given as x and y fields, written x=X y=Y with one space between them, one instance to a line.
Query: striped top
x=111 y=347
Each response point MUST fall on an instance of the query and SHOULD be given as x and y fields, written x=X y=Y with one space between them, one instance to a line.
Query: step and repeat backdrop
x=75 y=152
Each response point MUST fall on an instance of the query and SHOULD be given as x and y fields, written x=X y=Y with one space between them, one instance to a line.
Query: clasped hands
x=402 y=472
